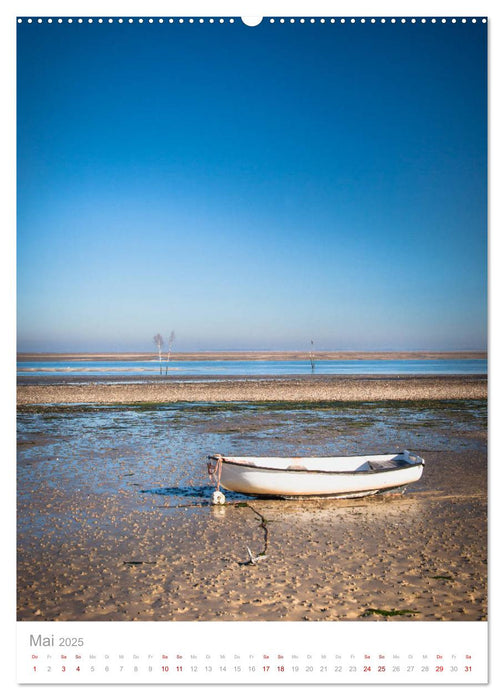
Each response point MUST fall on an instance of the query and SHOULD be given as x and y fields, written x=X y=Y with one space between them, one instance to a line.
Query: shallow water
x=158 y=453
x=253 y=368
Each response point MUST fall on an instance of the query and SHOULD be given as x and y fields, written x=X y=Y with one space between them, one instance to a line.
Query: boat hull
x=261 y=482
x=297 y=483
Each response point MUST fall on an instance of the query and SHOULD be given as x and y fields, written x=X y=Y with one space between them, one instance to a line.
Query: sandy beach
x=307 y=388
x=114 y=518
x=327 y=560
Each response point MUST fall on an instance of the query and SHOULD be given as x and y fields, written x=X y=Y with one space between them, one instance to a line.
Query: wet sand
x=99 y=541
x=327 y=560
x=302 y=388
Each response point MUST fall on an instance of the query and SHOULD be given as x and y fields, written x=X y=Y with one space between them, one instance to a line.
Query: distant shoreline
x=234 y=356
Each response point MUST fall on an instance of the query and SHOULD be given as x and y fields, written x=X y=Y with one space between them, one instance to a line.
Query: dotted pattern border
x=266 y=20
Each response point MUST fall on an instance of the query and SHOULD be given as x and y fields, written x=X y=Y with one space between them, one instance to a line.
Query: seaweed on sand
x=387 y=613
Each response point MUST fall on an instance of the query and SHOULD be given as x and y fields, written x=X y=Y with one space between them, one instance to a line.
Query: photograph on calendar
x=251 y=315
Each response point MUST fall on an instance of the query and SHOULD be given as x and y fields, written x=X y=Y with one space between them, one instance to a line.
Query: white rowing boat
x=294 y=477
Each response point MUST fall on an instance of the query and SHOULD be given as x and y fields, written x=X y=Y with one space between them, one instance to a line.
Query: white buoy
x=218 y=498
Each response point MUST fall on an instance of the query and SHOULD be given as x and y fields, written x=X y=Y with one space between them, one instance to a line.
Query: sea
x=251 y=368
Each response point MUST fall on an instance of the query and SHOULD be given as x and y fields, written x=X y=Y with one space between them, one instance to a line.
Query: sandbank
x=303 y=388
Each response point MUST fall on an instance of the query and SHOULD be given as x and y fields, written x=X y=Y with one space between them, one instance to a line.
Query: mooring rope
x=215 y=470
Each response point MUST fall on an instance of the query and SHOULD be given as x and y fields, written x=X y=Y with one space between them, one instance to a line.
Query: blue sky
x=252 y=187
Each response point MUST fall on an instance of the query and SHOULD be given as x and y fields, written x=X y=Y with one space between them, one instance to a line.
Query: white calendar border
x=259 y=652
x=316 y=8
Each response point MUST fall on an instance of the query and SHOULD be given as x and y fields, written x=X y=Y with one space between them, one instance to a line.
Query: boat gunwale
x=249 y=465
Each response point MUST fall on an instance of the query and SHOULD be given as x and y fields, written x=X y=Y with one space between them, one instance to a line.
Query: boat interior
x=355 y=463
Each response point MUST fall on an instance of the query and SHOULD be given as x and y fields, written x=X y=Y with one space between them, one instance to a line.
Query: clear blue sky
x=252 y=188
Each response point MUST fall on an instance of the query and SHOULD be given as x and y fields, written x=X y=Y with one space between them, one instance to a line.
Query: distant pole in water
x=312 y=357
x=159 y=342
x=171 y=340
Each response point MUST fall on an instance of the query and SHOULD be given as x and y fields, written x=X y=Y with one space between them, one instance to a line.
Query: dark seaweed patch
x=388 y=613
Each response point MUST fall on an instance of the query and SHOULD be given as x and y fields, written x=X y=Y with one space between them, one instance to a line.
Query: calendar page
x=252 y=345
